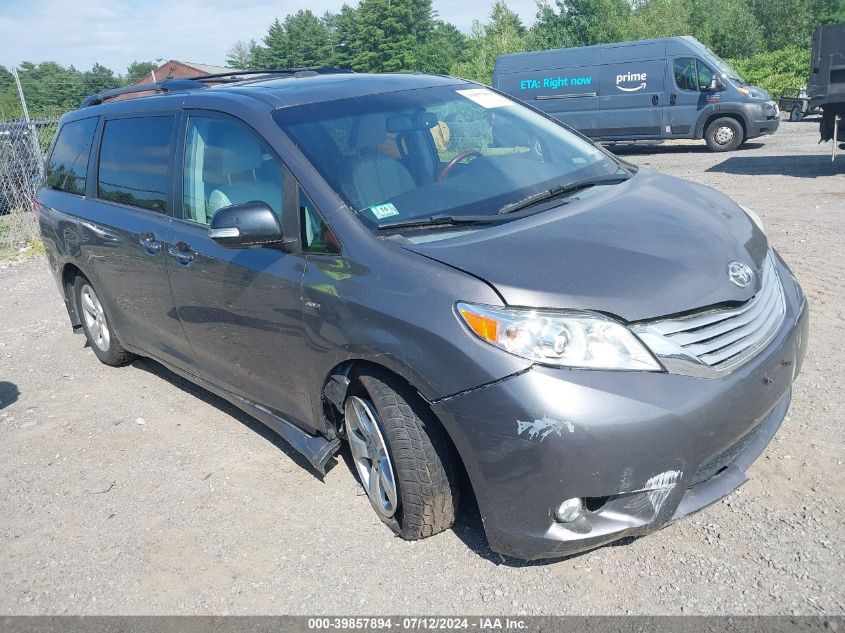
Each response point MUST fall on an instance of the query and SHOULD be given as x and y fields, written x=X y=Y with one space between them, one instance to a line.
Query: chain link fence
x=23 y=146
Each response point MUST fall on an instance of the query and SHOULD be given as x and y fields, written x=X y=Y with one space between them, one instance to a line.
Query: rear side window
x=134 y=160
x=69 y=161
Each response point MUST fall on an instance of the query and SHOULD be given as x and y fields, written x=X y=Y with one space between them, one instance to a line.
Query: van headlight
x=562 y=338
x=755 y=218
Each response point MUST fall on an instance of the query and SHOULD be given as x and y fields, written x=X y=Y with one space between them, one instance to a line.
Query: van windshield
x=447 y=151
x=724 y=68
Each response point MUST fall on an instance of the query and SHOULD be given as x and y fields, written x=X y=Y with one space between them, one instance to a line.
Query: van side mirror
x=247 y=224
x=717 y=85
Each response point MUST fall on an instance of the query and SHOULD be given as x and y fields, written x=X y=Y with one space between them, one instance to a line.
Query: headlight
x=561 y=338
x=755 y=218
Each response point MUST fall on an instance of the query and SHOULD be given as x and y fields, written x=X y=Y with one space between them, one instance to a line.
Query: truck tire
x=97 y=326
x=402 y=455
x=724 y=134
x=796 y=114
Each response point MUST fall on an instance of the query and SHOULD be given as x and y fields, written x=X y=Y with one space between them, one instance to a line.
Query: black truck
x=826 y=86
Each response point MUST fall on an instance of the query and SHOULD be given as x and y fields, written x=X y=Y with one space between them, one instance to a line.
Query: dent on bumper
x=646 y=449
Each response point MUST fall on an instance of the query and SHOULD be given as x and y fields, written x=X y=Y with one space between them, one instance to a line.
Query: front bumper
x=643 y=448
x=762 y=119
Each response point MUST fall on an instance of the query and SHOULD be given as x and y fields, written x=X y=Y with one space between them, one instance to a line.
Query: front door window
x=227 y=163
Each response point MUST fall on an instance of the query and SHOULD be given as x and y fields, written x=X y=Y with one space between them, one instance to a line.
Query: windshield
x=724 y=68
x=444 y=151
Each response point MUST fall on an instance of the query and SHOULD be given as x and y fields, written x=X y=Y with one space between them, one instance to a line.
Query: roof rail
x=296 y=71
x=196 y=83
x=168 y=85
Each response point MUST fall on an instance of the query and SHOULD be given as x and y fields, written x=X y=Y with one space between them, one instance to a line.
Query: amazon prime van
x=673 y=87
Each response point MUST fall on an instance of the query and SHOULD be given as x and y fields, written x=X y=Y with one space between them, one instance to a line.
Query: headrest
x=370 y=131
x=240 y=152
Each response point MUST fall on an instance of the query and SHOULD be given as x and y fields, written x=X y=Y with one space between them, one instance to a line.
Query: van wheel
x=796 y=114
x=98 y=330
x=724 y=135
x=403 y=457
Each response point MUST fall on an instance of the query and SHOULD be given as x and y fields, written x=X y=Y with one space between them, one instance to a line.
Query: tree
x=341 y=28
x=138 y=70
x=552 y=28
x=275 y=50
x=307 y=40
x=50 y=88
x=240 y=55
x=597 y=21
x=662 y=18
x=302 y=39
x=505 y=33
x=443 y=46
x=729 y=27
x=775 y=70
x=389 y=32
x=99 y=78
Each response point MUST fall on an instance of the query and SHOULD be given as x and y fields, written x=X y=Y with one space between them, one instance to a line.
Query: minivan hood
x=649 y=247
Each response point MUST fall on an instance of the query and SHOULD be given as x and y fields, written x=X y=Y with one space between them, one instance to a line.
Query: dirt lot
x=131 y=491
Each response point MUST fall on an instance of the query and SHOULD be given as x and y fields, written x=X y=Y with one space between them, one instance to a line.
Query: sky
x=117 y=32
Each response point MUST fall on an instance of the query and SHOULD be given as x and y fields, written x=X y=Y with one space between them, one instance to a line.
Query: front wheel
x=724 y=135
x=403 y=458
x=796 y=114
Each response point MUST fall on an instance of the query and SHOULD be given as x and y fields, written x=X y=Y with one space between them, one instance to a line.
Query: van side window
x=317 y=237
x=705 y=76
x=68 y=163
x=134 y=159
x=227 y=163
x=685 y=73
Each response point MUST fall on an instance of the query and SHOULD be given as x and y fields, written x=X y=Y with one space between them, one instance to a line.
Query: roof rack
x=168 y=85
x=197 y=83
x=298 y=71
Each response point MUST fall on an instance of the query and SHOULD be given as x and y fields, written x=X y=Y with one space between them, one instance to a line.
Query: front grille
x=722 y=338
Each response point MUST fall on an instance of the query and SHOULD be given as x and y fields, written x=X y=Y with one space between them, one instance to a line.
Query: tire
x=420 y=457
x=97 y=327
x=796 y=114
x=724 y=134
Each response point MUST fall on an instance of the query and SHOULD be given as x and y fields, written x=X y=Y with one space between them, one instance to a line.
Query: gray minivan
x=673 y=87
x=483 y=305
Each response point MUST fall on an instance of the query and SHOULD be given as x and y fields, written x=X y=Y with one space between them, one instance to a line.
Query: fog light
x=569 y=510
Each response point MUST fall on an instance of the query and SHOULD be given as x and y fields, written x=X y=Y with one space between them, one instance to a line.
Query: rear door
x=241 y=308
x=125 y=227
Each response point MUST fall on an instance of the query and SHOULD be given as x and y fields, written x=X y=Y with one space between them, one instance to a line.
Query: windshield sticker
x=384 y=210
x=485 y=98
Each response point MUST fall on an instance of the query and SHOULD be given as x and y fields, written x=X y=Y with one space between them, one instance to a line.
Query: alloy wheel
x=95 y=318
x=369 y=451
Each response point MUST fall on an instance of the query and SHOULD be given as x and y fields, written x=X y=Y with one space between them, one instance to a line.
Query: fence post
x=20 y=93
x=33 y=129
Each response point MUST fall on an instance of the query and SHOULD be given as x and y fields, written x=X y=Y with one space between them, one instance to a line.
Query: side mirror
x=247 y=224
x=717 y=85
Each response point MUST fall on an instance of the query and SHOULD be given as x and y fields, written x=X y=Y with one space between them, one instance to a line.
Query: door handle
x=673 y=98
x=182 y=253
x=654 y=99
x=149 y=243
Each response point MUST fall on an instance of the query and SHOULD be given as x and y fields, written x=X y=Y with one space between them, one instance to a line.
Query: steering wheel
x=444 y=173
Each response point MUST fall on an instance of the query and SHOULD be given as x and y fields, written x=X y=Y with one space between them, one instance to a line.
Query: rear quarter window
x=68 y=164
x=134 y=162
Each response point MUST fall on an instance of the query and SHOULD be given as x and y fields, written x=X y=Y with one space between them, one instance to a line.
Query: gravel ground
x=130 y=491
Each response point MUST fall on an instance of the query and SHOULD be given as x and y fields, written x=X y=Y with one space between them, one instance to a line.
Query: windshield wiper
x=555 y=192
x=439 y=220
